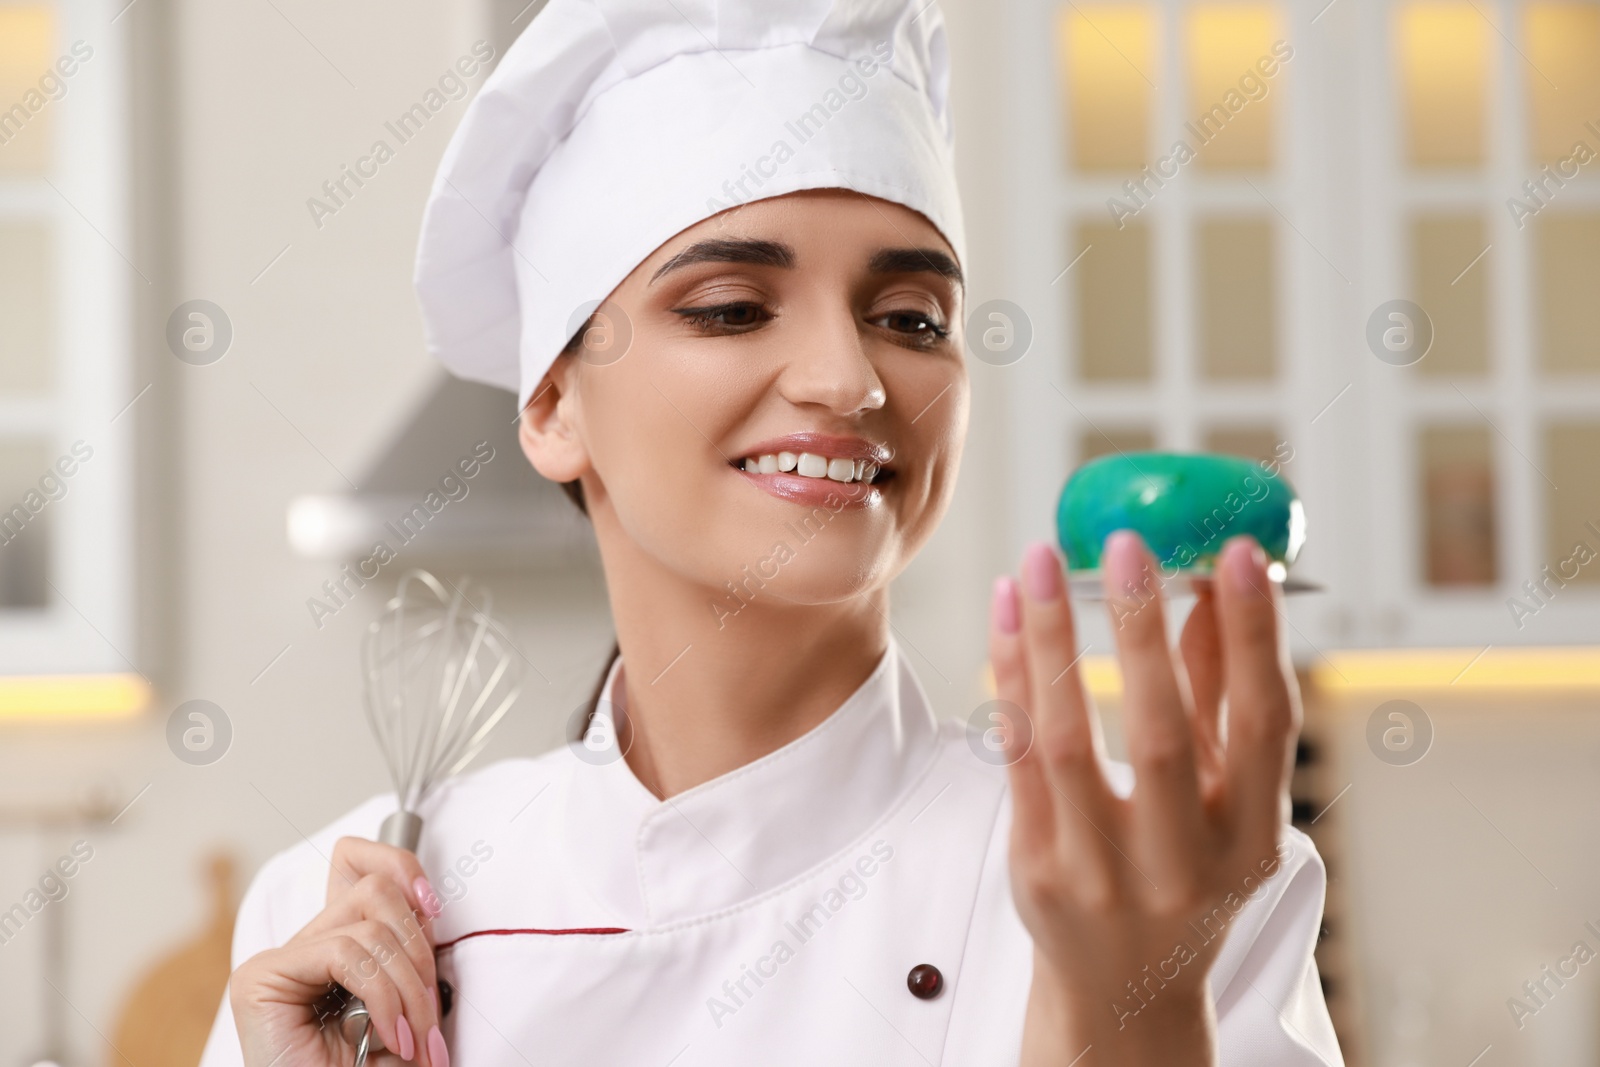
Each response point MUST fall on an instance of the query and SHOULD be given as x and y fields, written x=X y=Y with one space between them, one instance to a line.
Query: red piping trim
x=550 y=933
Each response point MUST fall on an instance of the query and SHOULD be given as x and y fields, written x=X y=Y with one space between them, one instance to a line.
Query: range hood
x=454 y=486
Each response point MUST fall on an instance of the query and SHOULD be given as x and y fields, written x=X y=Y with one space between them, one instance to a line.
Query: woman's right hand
x=375 y=938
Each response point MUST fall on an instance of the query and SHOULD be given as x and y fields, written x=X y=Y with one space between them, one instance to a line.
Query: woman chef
x=766 y=850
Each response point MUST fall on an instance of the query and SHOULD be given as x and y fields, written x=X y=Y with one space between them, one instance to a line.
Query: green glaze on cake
x=1185 y=506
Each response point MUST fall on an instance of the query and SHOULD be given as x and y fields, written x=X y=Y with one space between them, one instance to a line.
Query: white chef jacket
x=769 y=916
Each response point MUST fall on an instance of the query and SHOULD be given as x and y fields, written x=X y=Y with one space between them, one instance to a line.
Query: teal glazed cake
x=1185 y=506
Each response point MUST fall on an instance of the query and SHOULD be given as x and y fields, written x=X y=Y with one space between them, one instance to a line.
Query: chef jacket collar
x=751 y=830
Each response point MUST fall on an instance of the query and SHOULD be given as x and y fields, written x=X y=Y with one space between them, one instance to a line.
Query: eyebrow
x=915 y=260
x=743 y=250
x=776 y=254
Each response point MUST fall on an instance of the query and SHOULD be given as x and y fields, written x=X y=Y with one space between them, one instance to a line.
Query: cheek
x=654 y=435
x=933 y=427
x=946 y=438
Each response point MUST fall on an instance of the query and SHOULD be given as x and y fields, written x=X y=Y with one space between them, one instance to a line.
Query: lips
x=818 y=468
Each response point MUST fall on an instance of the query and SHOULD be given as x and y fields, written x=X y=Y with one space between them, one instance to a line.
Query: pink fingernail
x=1252 y=570
x=1258 y=555
x=1003 y=608
x=427 y=897
x=438 y=1055
x=408 y=1043
x=1041 y=572
x=1124 y=562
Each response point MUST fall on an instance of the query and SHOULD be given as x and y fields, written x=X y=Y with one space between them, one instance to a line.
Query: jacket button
x=925 y=981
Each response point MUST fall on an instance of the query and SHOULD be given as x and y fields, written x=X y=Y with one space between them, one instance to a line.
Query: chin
x=790 y=562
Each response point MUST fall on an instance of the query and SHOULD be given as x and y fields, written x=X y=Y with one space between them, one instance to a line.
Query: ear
x=547 y=430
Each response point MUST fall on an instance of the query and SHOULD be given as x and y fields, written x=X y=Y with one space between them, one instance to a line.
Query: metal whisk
x=438 y=673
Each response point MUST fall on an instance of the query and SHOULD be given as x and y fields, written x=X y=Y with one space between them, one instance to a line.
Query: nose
x=830 y=367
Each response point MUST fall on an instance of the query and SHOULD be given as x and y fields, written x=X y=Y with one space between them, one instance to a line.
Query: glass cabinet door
x=1214 y=210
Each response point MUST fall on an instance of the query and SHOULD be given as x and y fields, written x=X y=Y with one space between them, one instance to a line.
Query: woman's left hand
x=1119 y=894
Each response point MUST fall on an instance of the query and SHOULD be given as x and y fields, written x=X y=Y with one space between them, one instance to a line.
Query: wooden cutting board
x=168 y=1013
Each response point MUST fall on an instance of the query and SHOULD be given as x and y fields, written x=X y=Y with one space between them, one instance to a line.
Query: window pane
x=1247 y=442
x=24 y=524
x=1113 y=439
x=26 y=305
x=1108 y=62
x=1563 y=45
x=1442 y=248
x=1230 y=51
x=1458 y=494
x=1237 y=298
x=27 y=35
x=1566 y=266
x=1572 y=512
x=1444 y=56
x=1113 y=290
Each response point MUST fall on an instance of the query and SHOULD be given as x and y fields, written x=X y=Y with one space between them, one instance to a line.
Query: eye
x=916 y=326
x=730 y=318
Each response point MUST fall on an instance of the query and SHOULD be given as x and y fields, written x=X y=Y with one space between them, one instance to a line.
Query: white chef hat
x=611 y=125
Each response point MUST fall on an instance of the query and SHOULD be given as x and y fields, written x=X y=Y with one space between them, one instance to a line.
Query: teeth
x=811 y=465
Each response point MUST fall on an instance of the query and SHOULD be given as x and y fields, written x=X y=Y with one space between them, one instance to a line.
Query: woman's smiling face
x=821 y=330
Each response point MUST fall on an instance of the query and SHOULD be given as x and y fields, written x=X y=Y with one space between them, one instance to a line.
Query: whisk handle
x=403 y=829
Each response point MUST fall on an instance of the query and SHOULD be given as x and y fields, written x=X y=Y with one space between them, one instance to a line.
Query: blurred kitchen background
x=1359 y=238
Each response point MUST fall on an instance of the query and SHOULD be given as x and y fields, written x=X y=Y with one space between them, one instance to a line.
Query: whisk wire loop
x=439 y=674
